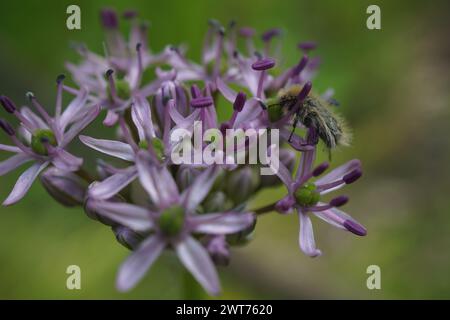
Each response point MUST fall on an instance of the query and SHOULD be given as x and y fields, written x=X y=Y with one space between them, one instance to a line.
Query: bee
x=313 y=112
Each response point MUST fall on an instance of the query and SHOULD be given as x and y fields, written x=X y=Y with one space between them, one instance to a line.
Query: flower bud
x=242 y=237
x=65 y=187
x=89 y=209
x=241 y=184
x=185 y=176
x=217 y=202
x=219 y=251
x=127 y=237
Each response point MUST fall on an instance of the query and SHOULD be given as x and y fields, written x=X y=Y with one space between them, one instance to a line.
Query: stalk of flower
x=46 y=138
x=173 y=223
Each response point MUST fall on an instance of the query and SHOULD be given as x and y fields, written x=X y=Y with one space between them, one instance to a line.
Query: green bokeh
x=393 y=88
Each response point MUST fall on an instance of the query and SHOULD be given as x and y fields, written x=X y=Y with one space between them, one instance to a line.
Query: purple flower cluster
x=150 y=203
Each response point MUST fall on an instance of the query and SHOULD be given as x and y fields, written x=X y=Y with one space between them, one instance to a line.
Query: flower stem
x=265 y=209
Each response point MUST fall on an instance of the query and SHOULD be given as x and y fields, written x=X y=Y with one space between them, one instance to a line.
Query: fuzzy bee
x=313 y=112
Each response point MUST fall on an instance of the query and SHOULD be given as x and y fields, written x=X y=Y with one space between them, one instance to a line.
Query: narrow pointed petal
x=341 y=220
x=222 y=223
x=142 y=118
x=251 y=110
x=65 y=161
x=113 y=184
x=339 y=172
x=78 y=126
x=196 y=259
x=111 y=118
x=129 y=215
x=200 y=188
x=13 y=162
x=33 y=118
x=5 y=147
x=306 y=238
x=24 y=183
x=74 y=110
x=226 y=91
x=156 y=180
x=139 y=262
x=112 y=148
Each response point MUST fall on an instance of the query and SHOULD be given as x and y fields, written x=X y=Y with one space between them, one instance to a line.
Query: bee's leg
x=294 y=125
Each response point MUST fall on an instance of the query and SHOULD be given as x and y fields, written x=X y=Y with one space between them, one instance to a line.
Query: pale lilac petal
x=339 y=172
x=33 y=118
x=111 y=118
x=336 y=217
x=113 y=184
x=129 y=215
x=139 y=262
x=200 y=188
x=285 y=175
x=222 y=223
x=251 y=110
x=112 y=148
x=142 y=118
x=156 y=180
x=66 y=161
x=226 y=91
x=197 y=260
x=74 y=111
x=24 y=183
x=306 y=238
x=156 y=84
x=78 y=126
x=13 y=162
x=5 y=147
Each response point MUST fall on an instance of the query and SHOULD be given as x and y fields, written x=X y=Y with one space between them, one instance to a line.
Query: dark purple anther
x=109 y=72
x=60 y=78
x=355 y=228
x=320 y=169
x=7 y=127
x=201 y=102
x=224 y=127
x=7 y=104
x=263 y=64
x=239 y=102
x=268 y=35
x=352 y=176
x=305 y=91
x=307 y=46
x=246 y=32
x=339 y=201
x=109 y=19
x=300 y=66
x=195 y=91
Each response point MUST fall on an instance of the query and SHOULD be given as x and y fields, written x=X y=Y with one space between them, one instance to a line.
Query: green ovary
x=37 y=143
x=171 y=221
x=307 y=195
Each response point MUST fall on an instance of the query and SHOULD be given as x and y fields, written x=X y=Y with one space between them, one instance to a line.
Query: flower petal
x=138 y=263
x=226 y=91
x=142 y=118
x=113 y=184
x=339 y=172
x=5 y=147
x=340 y=220
x=78 y=126
x=200 y=188
x=222 y=223
x=66 y=161
x=129 y=215
x=156 y=180
x=306 y=238
x=13 y=162
x=74 y=111
x=24 y=183
x=113 y=148
x=196 y=259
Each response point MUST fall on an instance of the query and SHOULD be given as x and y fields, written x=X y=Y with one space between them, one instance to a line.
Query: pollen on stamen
x=239 y=102
x=355 y=228
x=339 y=201
x=352 y=176
x=269 y=34
x=60 y=78
x=320 y=169
x=246 y=32
x=305 y=91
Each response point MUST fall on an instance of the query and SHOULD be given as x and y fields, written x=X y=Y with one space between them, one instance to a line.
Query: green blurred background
x=393 y=88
